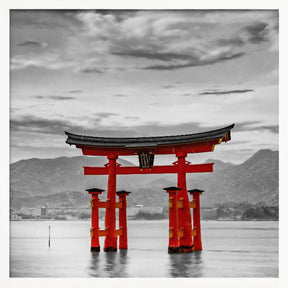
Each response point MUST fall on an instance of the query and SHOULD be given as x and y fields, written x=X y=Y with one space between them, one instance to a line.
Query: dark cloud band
x=55 y=97
x=226 y=92
x=194 y=62
x=256 y=126
x=31 y=44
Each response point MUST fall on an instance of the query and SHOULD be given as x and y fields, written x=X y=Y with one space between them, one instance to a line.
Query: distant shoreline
x=131 y=219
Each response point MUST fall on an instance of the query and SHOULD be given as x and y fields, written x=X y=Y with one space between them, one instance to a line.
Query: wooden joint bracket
x=181 y=233
x=118 y=205
x=171 y=234
x=194 y=232
x=103 y=232
x=192 y=204
x=104 y=204
x=180 y=203
x=119 y=232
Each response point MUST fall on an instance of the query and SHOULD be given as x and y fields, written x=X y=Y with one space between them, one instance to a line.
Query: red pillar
x=94 y=231
x=184 y=215
x=196 y=218
x=110 y=243
x=173 y=246
x=123 y=219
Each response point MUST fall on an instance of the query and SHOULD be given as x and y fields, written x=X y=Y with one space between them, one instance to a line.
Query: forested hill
x=36 y=181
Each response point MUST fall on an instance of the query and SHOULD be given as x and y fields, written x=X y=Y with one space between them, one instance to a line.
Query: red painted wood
x=103 y=204
x=184 y=215
x=103 y=233
x=173 y=222
x=123 y=222
x=182 y=235
x=110 y=243
x=198 y=147
x=196 y=222
x=192 y=204
x=122 y=170
x=95 y=246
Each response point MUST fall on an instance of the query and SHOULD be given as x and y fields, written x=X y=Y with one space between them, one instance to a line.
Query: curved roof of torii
x=142 y=142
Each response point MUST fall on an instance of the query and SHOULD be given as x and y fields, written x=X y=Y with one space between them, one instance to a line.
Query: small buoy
x=49 y=237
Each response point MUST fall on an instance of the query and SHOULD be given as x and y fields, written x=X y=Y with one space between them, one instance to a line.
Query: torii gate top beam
x=188 y=143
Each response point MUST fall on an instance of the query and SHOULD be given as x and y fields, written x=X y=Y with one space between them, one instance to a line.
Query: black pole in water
x=49 y=237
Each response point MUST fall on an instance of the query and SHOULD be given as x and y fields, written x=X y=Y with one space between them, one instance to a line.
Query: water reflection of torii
x=182 y=238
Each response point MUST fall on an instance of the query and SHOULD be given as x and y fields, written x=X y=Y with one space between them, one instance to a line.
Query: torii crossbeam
x=146 y=148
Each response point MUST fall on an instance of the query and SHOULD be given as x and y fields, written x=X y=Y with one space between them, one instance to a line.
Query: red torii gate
x=181 y=233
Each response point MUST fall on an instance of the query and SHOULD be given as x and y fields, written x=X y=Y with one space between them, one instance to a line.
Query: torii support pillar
x=173 y=220
x=94 y=231
x=110 y=243
x=184 y=215
x=123 y=219
x=196 y=218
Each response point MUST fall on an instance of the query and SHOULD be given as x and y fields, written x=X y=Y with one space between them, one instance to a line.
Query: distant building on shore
x=14 y=216
x=132 y=211
x=44 y=210
x=208 y=213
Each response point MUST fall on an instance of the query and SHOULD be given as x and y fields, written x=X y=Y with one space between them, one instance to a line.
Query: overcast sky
x=143 y=73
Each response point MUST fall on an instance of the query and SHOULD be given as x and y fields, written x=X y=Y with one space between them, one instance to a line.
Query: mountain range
x=60 y=181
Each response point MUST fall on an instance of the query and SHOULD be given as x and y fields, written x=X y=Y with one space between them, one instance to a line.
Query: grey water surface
x=230 y=249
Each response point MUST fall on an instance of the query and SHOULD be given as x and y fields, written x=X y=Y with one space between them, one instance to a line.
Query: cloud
x=30 y=123
x=232 y=41
x=132 y=118
x=13 y=110
x=37 y=133
x=188 y=94
x=184 y=38
x=38 y=125
x=42 y=19
x=272 y=128
x=256 y=126
x=257 y=32
x=247 y=125
x=120 y=95
x=195 y=62
x=151 y=54
x=106 y=114
x=217 y=92
x=168 y=86
x=54 y=97
x=75 y=91
x=61 y=98
x=32 y=44
x=91 y=70
x=146 y=39
x=47 y=60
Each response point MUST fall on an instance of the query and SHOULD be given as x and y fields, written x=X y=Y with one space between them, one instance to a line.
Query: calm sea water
x=230 y=249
